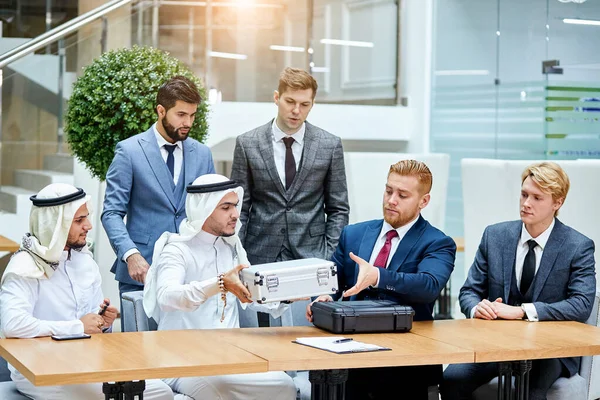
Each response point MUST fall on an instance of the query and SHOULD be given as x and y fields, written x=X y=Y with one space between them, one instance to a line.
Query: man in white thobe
x=182 y=288
x=52 y=286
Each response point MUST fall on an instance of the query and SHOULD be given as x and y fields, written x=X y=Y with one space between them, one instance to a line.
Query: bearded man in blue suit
x=146 y=182
x=409 y=262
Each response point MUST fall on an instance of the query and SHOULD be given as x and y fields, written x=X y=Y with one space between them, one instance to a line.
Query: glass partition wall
x=513 y=79
x=238 y=47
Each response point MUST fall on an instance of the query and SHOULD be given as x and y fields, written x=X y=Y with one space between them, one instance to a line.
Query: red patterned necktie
x=382 y=257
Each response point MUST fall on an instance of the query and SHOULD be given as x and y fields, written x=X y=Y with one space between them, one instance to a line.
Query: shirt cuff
x=129 y=252
x=376 y=285
x=530 y=312
x=473 y=312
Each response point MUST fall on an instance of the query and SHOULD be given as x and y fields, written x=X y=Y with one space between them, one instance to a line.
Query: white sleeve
x=473 y=312
x=17 y=299
x=530 y=312
x=276 y=309
x=171 y=292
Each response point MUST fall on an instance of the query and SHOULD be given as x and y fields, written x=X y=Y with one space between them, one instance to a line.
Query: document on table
x=339 y=344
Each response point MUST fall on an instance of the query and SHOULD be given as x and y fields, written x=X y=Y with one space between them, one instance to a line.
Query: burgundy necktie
x=382 y=257
x=290 y=162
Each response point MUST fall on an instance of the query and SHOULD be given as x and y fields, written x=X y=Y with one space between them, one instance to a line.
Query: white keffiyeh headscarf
x=198 y=207
x=49 y=227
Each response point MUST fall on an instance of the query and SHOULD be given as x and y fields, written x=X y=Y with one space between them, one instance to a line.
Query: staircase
x=14 y=200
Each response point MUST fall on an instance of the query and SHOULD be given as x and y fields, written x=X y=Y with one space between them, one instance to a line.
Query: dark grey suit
x=309 y=216
x=563 y=287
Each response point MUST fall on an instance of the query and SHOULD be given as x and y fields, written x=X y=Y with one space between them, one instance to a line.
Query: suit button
x=282 y=230
x=289 y=208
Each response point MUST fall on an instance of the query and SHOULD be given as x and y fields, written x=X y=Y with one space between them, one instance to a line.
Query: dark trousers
x=126 y=288
x=410 y=383
x=461 y=380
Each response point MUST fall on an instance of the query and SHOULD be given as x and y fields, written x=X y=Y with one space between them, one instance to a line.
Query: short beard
x=173 y=132
x=76 y=245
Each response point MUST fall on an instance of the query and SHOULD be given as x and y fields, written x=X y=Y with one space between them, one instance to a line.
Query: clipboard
x=339 y=344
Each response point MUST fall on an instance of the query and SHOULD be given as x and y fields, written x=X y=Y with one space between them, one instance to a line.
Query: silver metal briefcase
x=289 y=280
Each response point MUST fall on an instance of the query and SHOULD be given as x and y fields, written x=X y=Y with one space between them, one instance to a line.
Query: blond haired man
x=295 y=196
x=400 y=258
x=535 y=268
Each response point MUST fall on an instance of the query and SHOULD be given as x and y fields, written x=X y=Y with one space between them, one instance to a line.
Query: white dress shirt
x=178 y=158
x=187 y=289
x=177 y=154
x=522 y=250
x=385 y=228
x=279 y=148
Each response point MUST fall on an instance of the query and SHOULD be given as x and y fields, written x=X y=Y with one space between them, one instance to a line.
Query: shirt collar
x=161 y=140
x=278 y=134
x=541 y=240
x=401 y=230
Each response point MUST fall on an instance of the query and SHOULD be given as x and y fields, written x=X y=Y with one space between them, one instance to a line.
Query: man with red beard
x=146 y=182
x=400 y=258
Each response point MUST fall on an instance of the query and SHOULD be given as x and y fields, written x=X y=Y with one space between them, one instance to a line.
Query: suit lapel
x=509 y=255
x=551 y=251
x=309 y=153
x=407 y=243
x=265 y=144
x=150 y=148
x=188 y=169
x=368 y=243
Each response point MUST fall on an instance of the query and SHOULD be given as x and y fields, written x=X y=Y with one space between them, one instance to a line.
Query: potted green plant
x=115 y=99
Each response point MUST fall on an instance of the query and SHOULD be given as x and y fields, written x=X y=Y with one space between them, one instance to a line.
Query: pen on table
x=104 y=307
x=343 y=340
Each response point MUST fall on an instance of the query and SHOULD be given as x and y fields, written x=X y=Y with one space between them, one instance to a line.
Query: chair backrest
x=4 y=371
x=590 y=366
x=366 y=174
x=133 y=314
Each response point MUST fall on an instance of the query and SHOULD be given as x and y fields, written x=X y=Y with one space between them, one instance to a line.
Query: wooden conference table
x=147 y=355
x=8 y=245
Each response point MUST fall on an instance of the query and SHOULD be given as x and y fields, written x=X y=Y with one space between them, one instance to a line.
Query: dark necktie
x=528 y=267
x=171 y=158
x=290 y=162
x=384 y=254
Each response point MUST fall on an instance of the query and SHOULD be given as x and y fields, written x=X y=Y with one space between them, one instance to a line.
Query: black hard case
x=362 y=316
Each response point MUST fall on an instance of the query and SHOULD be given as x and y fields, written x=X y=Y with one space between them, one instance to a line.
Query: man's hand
x=485 y=310
x=233 y=284
x=504 y=311
x=92 y=323
x=137 y=267
x=324 y=297
x=367 y=276
x=110 y=313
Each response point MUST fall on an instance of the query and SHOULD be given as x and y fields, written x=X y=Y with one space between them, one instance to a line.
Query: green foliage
x=115 y=98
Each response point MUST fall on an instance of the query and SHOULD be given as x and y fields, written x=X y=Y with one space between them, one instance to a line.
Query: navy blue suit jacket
x=417 y=273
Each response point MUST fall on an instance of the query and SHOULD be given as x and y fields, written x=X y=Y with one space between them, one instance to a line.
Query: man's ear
x=424 y=201
x=160 y=110
x=276 y=97
x=558 y=203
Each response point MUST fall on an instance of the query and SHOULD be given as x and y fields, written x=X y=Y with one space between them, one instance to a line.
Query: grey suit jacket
x=311 y=213
x=139 y=185
x=563 y=287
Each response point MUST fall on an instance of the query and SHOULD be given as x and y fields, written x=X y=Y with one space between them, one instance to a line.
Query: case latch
x=323 y=276
x=272 y=283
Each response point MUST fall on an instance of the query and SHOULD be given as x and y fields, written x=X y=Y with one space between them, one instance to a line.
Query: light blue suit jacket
x=139 y=185
x=564 y=286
